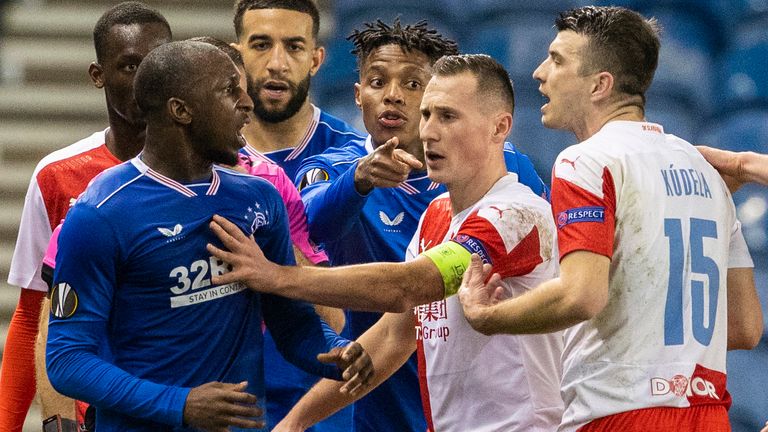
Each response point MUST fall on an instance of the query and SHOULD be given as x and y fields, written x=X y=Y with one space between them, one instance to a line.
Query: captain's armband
x=451 y=260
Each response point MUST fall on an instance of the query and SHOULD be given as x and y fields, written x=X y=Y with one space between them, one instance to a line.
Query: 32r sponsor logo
x=197 y=275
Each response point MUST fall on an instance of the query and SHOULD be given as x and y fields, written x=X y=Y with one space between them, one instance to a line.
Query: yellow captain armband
x=451 y=259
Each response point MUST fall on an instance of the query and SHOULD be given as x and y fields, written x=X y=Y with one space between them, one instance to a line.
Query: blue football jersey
x=378 y=227
x=287 y=384
x=324 y=131
x=133 y=270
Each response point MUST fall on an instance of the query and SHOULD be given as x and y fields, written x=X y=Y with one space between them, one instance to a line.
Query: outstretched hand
x=476 y=295
x=727 y=164
x=249 y=265
x=387 y=166
x=355 y=364
x=215 y=406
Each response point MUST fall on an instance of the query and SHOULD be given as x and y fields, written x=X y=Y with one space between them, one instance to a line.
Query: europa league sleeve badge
x=63 y=301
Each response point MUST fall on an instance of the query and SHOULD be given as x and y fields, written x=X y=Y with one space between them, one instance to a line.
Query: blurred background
x=711 y=87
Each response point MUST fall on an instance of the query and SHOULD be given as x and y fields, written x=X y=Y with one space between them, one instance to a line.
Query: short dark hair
x=172 y=70
x=126 y=13
x=304 y=6
x=620 y=41
x=418 y=37
x=492 y=79
x=233 y=53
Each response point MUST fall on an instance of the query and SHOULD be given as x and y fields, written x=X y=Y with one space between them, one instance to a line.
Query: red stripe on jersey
x=434 y=227
x=591 y=236
x=663 y=419
x=523 y=257
x=423 y=387
x=62 y=181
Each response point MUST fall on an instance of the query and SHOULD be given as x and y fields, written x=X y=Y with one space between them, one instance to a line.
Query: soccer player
x=304 y=249
x=655 y=278
x=364 y=200
x=123 y=35
x=278 y=41
x=281 y=53
x=737 y=168
x=183 y=352
x=468 y=381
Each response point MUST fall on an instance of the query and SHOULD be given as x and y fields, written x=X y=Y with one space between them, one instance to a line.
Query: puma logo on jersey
x=171 y=232
x=572 y=163
x=72 y=201
x=397 y=220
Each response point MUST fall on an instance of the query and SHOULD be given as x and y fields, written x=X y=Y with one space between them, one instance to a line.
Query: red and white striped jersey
x=652 y=204
x=470 y=381
x=57 y=181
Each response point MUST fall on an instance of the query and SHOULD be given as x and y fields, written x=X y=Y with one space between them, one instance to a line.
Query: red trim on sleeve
x=576 y=231
x=478 y=235
x=423 y=385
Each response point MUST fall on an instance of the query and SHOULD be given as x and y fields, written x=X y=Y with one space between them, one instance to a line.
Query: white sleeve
x=413 y=249
x=738 y=256
x=34 y=235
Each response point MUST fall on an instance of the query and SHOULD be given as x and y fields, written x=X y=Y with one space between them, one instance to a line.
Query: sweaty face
x=125 y=48
x=220 y=107
x=391 y=86
x=455 y=129
x=562 y=84
x=280 y=56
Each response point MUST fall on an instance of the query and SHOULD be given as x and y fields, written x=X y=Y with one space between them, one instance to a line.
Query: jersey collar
x=173 y=184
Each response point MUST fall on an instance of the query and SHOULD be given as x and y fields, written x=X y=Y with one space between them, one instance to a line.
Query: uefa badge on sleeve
x=63 y=301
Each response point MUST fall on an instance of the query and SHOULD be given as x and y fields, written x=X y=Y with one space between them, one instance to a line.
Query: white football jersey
x=473 y=382
x=651 y=203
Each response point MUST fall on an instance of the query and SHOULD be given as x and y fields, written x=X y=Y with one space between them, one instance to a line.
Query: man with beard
x=123 y=35
x=278 y=41
x=279 y=46
x=185 y=353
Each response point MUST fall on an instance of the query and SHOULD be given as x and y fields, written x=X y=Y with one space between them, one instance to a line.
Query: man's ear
x=502 y=126
x=318 y=57
x=357 y=96
x=602 y=86
x=179 y=111
x=96 y=72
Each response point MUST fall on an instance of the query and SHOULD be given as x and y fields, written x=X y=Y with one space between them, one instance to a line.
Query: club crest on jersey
x=64 y=301
x=397 y=220
x=259 y=220
x=580 y=214
x=313 y=176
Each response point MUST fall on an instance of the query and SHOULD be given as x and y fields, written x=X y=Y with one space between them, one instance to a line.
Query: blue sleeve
x=332 y=206
x=299 y=333
x=85 y=277
x=519 y=163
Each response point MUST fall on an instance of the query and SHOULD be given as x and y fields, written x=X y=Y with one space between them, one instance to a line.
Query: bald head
x=177 y=70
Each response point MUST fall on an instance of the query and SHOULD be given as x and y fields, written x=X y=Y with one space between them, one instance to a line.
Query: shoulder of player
x=335 y=159
x=108 y=184
x=73 y=151
x=339 y=130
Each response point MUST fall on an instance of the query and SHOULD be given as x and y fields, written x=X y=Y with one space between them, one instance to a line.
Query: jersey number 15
x=700 y=264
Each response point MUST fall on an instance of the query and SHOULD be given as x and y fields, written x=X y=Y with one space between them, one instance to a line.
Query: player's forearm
x=745 y=314
x=76 y=371
x=381 y=287
x=754 y=167
x=546 y=309
x=390 y=342
x=51 y=402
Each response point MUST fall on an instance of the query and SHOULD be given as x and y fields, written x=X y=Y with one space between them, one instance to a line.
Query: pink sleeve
x=50 y=254
x=297 y=218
